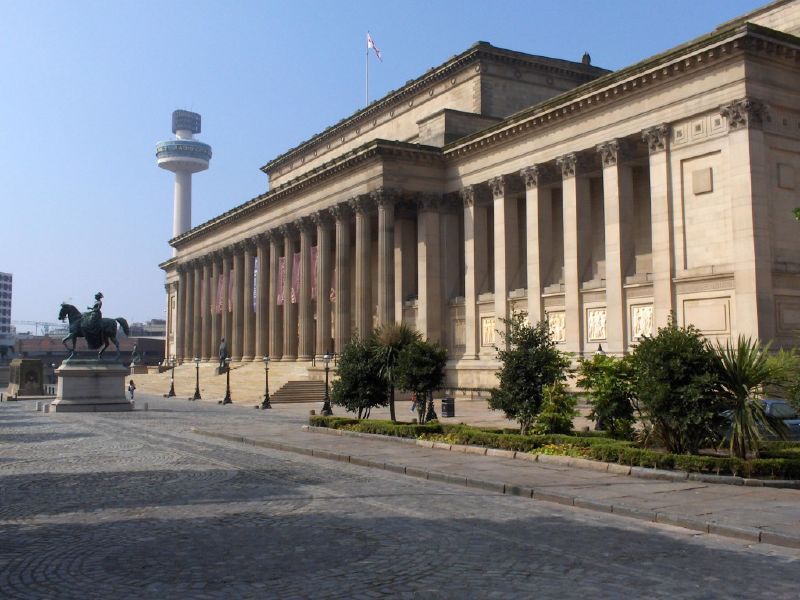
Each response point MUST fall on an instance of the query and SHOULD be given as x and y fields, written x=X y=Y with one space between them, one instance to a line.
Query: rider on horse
x=92 y=320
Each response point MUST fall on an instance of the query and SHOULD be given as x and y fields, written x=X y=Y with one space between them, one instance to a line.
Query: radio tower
x=183 y=156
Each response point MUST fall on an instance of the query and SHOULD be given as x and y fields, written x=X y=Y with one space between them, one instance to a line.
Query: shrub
x=609 y=381
x=530 y=361
x=558 y=410
x=359 y=385
x=674 y=383
x=389 y=340
x=420 y=369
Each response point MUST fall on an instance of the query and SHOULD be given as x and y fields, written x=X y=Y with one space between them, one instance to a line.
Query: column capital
x=239 y=246
x=206 y=260
x=182 y=267
x=473 y=194
x=167 y=287
x=428 y=201
x=744 y=112
x=228 y=252
x=656 y=137
x=569 y=164
x=538 y=174
x=288 y=231
x=304 y=224
x=341 y=211
x=361 y=204
x=216 y=255
x=613 y=151
x=498 y=185
x=383 y=196
x=322 y=218
x=262 y=238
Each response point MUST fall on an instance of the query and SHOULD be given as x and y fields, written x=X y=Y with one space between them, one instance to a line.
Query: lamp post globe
x=265 y=403
x=171 y=393
x=326 y=405
x=196 y=379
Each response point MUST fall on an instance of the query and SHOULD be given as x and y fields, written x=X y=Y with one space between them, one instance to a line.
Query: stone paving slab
x=767 y=515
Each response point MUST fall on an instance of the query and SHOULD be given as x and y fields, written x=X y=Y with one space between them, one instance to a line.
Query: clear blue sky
x=88 y=89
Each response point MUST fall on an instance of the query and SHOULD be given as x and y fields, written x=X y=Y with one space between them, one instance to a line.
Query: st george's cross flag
x=371 y=44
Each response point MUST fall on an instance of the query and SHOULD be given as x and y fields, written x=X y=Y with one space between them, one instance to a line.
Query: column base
x=247 y=359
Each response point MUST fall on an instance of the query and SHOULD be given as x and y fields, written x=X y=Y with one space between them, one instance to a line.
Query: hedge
x=781 y=460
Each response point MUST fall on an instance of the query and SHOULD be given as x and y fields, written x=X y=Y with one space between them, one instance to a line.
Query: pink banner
x=230 y=289
x=255 y=281
x=295 y=277
x=313 y=272
x=218 y=300
x=281 y=278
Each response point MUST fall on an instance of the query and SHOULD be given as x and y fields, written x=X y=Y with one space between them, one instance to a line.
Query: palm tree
x=389 y=340
x=743 y=372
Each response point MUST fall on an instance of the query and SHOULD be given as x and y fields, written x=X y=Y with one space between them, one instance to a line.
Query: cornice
x=481 y=51
x=375 y=149
x=716 y=46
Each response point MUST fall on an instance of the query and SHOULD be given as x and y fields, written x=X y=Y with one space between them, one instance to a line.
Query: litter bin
x=448 y=407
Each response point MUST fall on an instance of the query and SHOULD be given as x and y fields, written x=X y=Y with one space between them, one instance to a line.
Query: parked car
x=780 y=409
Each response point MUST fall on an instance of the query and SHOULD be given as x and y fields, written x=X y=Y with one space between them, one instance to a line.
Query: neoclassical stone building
x=601 y=202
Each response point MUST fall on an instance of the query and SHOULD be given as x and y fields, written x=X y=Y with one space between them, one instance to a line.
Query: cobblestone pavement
x=136 y=506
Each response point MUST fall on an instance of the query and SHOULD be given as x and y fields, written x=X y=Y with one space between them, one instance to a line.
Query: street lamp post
x=600 y=351
x=326 y=405
x=171 y=393
x=265 y=403
x=227 y=398
x=196 y=379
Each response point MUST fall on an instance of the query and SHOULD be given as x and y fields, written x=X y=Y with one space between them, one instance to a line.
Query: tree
x=609 y=381
x=558 y=410
x=743 y=373
x=420 y=370
x=389 y=341
x=675 y=382
x=530 y=361
x=359 y=385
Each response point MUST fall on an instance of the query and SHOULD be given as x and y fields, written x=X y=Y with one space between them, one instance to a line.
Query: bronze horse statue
x=81 y=325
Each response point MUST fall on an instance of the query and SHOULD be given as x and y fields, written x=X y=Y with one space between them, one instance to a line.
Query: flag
x=281 y=278
x=371 y=44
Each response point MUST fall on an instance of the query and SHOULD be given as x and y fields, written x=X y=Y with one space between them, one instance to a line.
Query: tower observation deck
x=183 y=156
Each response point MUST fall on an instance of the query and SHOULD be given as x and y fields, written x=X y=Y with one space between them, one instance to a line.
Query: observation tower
x=183 y=156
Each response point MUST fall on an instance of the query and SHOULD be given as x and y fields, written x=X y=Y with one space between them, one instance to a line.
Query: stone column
x=262 y=298
x=576 y=228
x=180 y=313
x=205 y=351
x=363 y=301
x=399 y=289
x=657 y=140
x=429 y=280
x=538 y=224
x=216 y=321
x=197 y=310
x=305 y=346
x=749 y=180
x=188 y=314
x=289 y=309
x=236 y=344
x=474 y=267
x=618 y=210
x=322 y=219
x=275 y=327
x=226 y=321
x=385 y=199
x=506 y=245
x=248 y=311
x=342 y=213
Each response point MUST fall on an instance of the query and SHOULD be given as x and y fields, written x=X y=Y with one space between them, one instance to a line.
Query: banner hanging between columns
x=281 y=278
x=295 y=276
x=313 y=272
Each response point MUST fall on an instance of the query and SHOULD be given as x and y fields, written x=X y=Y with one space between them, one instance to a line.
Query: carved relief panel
x=641 y=321
x=596 y=324
x=556 y=321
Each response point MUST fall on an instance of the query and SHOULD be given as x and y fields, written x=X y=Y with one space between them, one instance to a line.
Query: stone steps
x=300 y=391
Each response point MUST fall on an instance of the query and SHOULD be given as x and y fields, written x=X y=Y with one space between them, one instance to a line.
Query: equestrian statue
x=92 y=326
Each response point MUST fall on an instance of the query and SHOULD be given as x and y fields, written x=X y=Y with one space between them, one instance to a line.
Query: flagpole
x=366 y=85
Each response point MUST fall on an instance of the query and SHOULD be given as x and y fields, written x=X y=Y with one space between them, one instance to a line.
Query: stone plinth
x=138 y=369
x=25 y=377
x=91 y=385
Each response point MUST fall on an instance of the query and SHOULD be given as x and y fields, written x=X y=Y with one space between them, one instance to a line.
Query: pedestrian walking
x=131 y=388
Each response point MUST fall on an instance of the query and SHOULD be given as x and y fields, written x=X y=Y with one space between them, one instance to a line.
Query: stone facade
x=601 y=202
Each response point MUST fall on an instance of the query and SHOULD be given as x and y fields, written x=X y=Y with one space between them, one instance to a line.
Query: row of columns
x=287 y=332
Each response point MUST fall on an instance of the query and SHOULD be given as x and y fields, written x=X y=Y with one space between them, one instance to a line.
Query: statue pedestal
x=90 y=385
x=25 y=378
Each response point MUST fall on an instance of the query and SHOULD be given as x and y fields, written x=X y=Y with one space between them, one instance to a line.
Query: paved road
x=135 y=505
